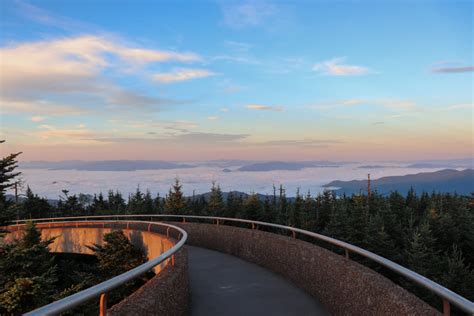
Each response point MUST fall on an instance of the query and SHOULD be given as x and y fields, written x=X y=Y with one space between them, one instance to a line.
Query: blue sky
x=183 y=80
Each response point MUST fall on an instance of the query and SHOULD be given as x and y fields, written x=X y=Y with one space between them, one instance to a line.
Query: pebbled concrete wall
x=166 y=294
x=343 y=286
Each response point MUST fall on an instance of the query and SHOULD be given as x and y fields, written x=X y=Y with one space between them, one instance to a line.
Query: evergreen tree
x=294 y=218
x=99 y=204
x=216 y=202
x=8 y=178
x=421 y=255
x=70 y=205
x=252 y=207
x=282 y=206
x=34 y=206
x=268 y=211
x=358 y=221
x=116 y=202
x=234 y=205
x=148 y=207
x=457 y=274
x=136 y=202
x=158 y=204
x=175 y=202
x=308 y=221
x=117 y=255
x=325 y=207
x=379 y=240
x=28 y=277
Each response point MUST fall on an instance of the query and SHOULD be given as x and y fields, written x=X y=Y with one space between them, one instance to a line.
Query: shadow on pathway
x=222 y=284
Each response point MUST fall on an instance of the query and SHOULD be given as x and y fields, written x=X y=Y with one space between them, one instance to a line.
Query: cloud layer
x=260 y=107
x=336 y=67
x=182 y=74
x=453 y=69
x=39 y=77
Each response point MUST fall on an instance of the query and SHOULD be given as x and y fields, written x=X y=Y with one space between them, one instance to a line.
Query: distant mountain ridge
x=104 y=165
x=447 y=180
x=281 y=165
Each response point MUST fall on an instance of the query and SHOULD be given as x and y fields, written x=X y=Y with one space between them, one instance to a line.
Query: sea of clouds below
x=50 y=183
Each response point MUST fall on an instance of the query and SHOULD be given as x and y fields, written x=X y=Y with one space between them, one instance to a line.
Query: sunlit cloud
x=260 y=107
x=41 y=107
x=53 y=135
x=73 y=59
x=238 y=46
x=37 y=118
x=213 y=118
x=38 y=72
x=336 y=67
x=182 y=75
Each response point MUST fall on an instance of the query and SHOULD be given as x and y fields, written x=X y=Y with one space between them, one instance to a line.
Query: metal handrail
x=447 y=295
x=78 y=298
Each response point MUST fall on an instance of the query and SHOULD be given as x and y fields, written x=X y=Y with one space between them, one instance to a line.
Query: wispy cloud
x=192 y=138
x=453 y=69
x=465 y=106
x=247 y=14
x=125 y=99
x=213 y=118
x=300 y=143
x=48 y=18
x=182 y=74
x=336 y=67
x=238 y=46
x=394 y=104
x=261 y=107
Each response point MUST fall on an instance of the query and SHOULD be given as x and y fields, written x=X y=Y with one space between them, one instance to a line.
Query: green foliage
x=175 y=202
x=34 y=206
x=29 y=274
x=117 y=255
x=8 y=174
x=252 y=207
x=140 y=203
x=8 y=178
x=216 y=202
x=457 y=274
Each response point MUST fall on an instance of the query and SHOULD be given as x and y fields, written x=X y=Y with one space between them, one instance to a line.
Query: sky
x=259 y=80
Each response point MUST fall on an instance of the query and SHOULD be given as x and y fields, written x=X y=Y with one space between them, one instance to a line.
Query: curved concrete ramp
x=221 y=284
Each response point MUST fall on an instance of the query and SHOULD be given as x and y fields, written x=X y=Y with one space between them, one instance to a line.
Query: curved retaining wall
x=343 y=286
x=167 y=293
x=74 y=237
